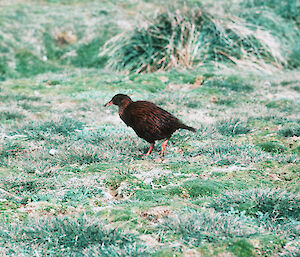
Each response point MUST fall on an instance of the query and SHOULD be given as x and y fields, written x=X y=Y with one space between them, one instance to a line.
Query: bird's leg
x=150 y=149
x=164 y=147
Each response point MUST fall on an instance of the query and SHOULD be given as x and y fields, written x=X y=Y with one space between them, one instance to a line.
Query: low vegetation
x=74 y=180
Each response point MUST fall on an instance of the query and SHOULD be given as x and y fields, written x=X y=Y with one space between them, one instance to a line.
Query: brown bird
x=149 y=121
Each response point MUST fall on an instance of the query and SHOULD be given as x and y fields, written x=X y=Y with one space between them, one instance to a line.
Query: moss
x=272 y=147
x=156 y=195
x=120 y=215
x=241 y=248
x=199 y=187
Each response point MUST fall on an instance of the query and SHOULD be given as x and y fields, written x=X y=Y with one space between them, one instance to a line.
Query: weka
x=149 y=121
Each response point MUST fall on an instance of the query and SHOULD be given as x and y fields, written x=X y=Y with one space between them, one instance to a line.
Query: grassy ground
x=74 y=180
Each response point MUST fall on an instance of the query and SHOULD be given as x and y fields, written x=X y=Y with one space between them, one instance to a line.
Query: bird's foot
x=150 y=150
x=164 y=147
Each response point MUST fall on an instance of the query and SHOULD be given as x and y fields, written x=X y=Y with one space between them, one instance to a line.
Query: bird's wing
x=147 y=117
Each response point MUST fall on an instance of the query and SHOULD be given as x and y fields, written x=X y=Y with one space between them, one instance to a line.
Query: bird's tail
x=183 y=126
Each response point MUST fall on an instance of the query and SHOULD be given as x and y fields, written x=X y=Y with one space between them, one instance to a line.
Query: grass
x=290 y=131
x=190 y=35
x=198 y=227
x=232 y=127
x=74 y=180
x=272 y=147
x=279 y=205
x=69 y=236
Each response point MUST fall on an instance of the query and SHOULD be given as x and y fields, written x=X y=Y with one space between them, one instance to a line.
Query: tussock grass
x=190 y=36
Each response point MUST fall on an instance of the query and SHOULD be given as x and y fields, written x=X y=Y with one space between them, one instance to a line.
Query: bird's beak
x=108 y=104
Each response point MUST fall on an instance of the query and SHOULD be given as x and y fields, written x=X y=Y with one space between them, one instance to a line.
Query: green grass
x=197 y=228
x=280 y=206
x=233 y=127
x=272 y=147
x=192 y=34
x=74 y=179
x=68 y=236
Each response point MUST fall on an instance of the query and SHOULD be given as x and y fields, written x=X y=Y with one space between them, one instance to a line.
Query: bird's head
x=119 y=100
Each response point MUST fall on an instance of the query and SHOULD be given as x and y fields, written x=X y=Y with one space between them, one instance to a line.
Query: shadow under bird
x=149 y=121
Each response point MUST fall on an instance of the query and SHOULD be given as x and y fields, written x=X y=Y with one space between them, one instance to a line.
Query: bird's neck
x=123 y=106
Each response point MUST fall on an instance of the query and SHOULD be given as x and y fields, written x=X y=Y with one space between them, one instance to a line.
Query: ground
x=75 y=181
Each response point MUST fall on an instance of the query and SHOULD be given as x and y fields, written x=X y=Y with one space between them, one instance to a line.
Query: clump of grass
x=279 y=205
x=67 y=236
x=232 y=127
x=297 y=149
x=289 y=131
x=226 y=101
x=227 y=153
x=196 y=228
x=169 y=41
x=278 y=120
x=279 y=19
x=272 y=147
x=121 y=215
x=189 y=189
x=189 y=36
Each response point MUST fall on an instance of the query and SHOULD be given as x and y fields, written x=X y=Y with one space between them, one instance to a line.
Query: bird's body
x=149 y=121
